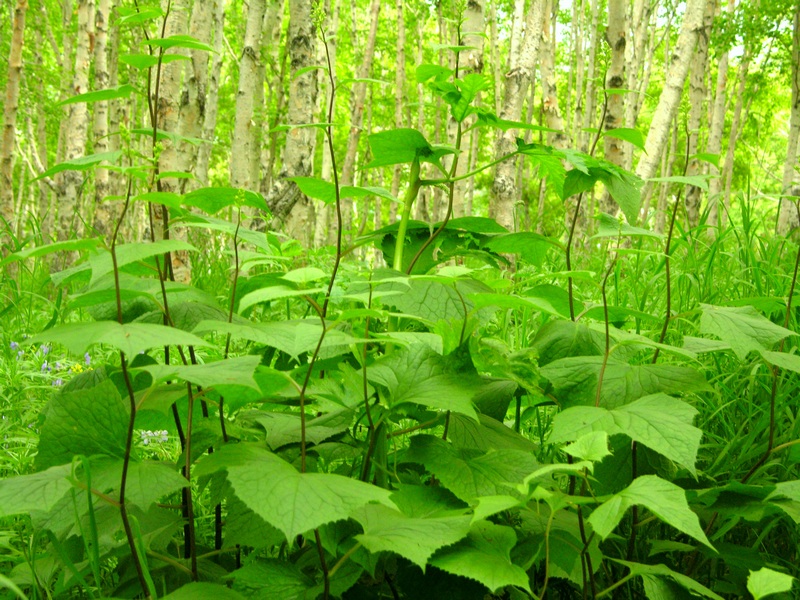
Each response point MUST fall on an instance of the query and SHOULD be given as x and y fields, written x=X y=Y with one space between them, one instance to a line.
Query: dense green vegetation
x=487 y=414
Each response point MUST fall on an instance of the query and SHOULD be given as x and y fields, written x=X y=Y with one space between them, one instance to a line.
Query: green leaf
x=121 y=91
x=589 y=446
x=418 y=375
x=398 y=146
x=284 y=428
x=709 y=158
x=433 y=300
x=232 y=371
x=531 y=247
x=130 y=338
x=484 y=556
x=102 y=264
x=147 y=482
x=790 y=362
x=275 y=292
x=664 y=499
x=387 y=530
x=290 y=501
x=273 y=579
x=36 y=492
x=609 y=226
x=765 y=582
x=82 y=163
x=575 y=381
x=625 y=189
x=291 y=337
x=213 y=199
x=85 y=422
x=470 y=474
x=304 y=275
x=634 y=136
x=660 y=422
x=147 y=61
x=743 y=327
x=65 y=246
x=179 y=41
x=664 y=572
x=203 y=591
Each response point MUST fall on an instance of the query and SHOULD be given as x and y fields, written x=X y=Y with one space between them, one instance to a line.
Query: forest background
x=571 y=68
x=578 y=377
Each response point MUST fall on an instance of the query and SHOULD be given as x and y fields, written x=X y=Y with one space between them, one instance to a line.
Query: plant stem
x=411 y=195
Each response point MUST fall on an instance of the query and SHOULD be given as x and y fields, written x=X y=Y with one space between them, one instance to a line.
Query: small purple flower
x=58 y=382
x=87 y=359
x=14 y=346
x=44 y=350
x=58 y=366
x=45 y=367
x=20 y=354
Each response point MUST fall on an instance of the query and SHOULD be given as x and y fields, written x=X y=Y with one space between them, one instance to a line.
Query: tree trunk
x=717 y=215
x=212 y=98
x=673 y=89
x=105 y=213
x=550 y=108
x=70 y=183
x=298 y=155
x=242 y=144
x=194 y=97
x=522 y=65
x=789 y=217
x=613 y=147
x=10 y=117
x=469 y=61
x=357 y=98
x=697 y=96
x=582 y=137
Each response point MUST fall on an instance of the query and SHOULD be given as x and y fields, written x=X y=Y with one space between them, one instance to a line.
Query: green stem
x=411 y=195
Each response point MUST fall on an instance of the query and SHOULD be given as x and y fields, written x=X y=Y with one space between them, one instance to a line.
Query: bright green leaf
x=765 y=582
x=664 y=499
x=286 y=499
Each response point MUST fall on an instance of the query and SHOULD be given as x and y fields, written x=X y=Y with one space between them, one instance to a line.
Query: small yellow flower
x=76 y=368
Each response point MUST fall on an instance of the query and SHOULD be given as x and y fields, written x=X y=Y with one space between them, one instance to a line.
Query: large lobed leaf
x=286 y=499
x=658 y=421
x=664 y=499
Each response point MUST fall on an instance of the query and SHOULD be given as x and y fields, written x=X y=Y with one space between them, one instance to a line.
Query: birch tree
x=104 y=211
x=242 y=146
x=673 y=89
x=357 y=98
x=616 y=38
x=522 y=66
x=10 y=116
x=789 y=212
x=298 y=155
x=70 y=183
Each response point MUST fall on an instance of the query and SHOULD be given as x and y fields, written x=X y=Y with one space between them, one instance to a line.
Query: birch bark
x=789 y=217
x=357 y=99
x=298 y=154
x=70 y=183
x=522 y=66
x=104 y=211
x=673 y=89
x=697 y=96
x=10 y=117
x=242 y=146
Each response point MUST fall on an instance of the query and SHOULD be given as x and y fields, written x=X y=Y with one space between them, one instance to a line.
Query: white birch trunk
x=697 y=96
x=242 y=143
x=504 y=190
x=790 y=213
x=298 y=154
x=10 y=118
x=717 y=215
x=673 y=89
x=70 y=183
x=212 y=98
x=104 y=212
